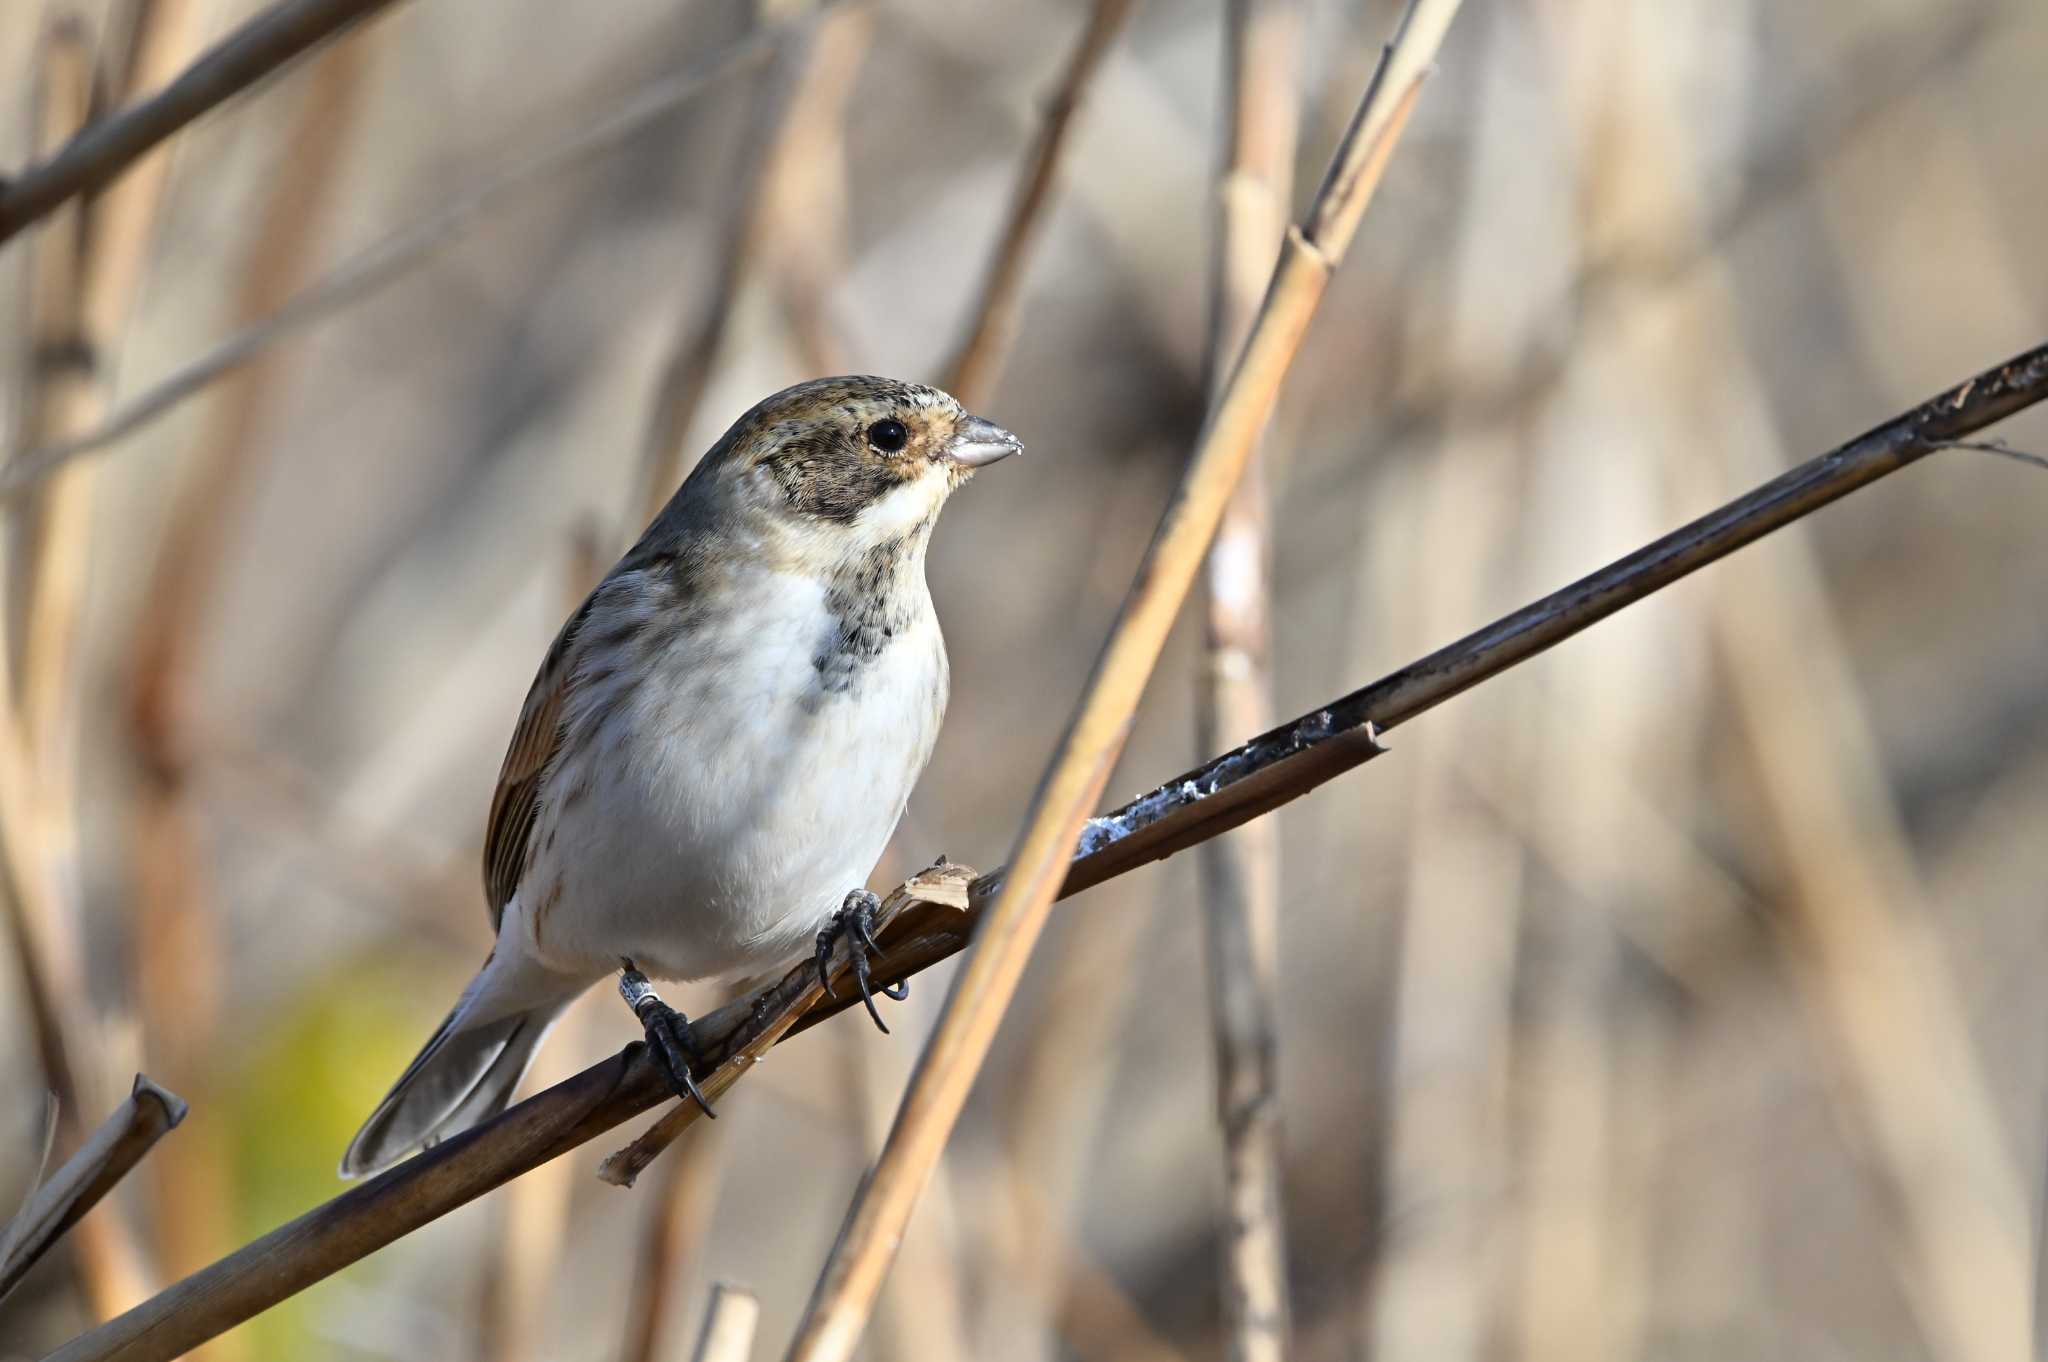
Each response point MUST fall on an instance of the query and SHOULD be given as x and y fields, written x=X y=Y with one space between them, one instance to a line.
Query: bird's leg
x=856 y=921
x=668 y=1034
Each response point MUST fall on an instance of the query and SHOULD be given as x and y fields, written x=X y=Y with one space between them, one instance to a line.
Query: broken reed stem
x=926 y=924
x=384 y=260
x=99 y=153
x=1095 y=736
x=1240 y=873
x=971 y=371
x=105 y=1157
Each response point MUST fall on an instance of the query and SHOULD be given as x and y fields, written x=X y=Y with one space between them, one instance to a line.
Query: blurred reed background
x=1671 y=996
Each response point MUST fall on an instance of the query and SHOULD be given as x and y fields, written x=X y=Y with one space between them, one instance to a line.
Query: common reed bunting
x=719 y=743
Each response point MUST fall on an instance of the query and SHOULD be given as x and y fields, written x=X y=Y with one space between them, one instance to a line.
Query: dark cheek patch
x=822 y=476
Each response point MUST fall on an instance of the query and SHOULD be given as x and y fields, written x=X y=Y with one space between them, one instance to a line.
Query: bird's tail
x=467 y=1072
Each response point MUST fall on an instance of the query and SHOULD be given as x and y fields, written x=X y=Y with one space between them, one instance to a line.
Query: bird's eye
x=888 y=436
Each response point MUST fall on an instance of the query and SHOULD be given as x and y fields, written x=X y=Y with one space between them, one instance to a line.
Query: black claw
x=668 y=1035
x=861 y=980
x=856 y=918
x=827 y=934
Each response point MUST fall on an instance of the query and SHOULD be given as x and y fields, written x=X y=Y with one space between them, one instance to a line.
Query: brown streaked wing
x=517 y=799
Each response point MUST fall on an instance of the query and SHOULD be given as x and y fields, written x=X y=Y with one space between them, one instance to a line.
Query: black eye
x=888 y=436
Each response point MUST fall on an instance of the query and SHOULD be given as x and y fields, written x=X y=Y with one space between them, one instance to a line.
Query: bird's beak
x=976 y=442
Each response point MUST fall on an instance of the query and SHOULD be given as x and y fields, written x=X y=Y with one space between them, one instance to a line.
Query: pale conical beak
x=976 y=442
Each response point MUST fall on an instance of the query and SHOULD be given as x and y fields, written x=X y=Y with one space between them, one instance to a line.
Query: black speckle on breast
x=870 y=600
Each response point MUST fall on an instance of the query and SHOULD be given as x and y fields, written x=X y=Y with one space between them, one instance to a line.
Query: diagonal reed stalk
x=1101 y=722
x=391 y=256
x=927 y=923
x=264 y=44
x=994 y=317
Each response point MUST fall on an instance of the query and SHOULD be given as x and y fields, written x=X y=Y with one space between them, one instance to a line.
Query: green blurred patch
x=323 y=1065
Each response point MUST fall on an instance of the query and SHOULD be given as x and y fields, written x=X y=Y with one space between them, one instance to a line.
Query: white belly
x=740 y=800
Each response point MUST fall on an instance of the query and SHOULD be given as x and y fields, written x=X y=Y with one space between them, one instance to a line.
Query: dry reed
x=101 y=1161
x=390 y=257
x=264 y=44
x=1079 y=769
x=970 y=374
x=1241 y=872
x=926 y=922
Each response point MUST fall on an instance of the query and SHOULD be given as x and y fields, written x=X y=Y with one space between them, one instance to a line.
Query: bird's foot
x=668 y=1035
x=855 y=920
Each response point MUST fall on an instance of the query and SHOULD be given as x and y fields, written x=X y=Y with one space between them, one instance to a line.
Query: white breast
x=735 y=800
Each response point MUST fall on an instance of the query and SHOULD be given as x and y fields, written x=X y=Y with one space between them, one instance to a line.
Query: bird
x=719 y=743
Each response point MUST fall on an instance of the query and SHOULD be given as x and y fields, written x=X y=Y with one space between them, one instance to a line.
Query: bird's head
x=843 y=464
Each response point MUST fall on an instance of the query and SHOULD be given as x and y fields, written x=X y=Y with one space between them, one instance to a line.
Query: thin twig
x=387 y=259
x=994 y=318
x=1241 y=872
x=730 y=1318
x=2000 y=448
x=264 y=44
x=927 y=926
x=149 y=1114
x=686 y=373
x=1101 y=723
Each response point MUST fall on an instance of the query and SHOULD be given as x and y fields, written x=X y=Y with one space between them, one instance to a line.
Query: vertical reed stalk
x=1101 y=722
x=1241 y=871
